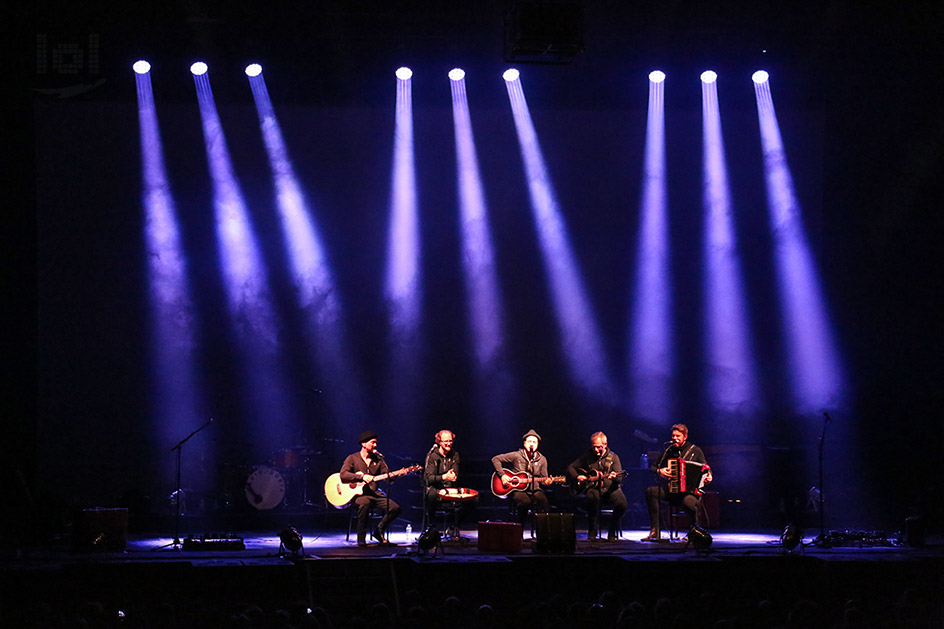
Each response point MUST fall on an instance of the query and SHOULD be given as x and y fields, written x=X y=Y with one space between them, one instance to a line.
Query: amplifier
x=100 y=530
x=501 y=537
x=555 y=533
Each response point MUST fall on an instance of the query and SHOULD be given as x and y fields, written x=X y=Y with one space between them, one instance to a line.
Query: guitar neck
x=400 y=472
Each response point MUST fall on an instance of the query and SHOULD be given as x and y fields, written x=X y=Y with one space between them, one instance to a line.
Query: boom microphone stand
x=179 y=448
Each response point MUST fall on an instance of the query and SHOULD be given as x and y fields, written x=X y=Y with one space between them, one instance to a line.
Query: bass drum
x=265 y=488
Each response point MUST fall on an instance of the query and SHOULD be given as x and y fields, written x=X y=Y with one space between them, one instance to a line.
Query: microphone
x=378 y=455
x=435 y=445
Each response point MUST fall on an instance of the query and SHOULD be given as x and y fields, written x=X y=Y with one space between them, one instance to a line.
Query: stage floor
x=265 y=547
x=334 y=574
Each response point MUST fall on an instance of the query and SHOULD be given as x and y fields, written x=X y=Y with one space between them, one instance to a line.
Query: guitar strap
x=606 y=466
x=607 y=462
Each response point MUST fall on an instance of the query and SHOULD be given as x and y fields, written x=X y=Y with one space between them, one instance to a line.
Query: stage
x=223 y=572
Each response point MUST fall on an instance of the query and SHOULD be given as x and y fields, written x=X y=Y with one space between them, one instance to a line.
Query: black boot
x=378 y=535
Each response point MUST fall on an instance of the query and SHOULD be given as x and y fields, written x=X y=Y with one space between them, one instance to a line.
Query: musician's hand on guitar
x=367 y=478
x=548 y=481
x=582 y=478
x=506 y=480
x=450 y=475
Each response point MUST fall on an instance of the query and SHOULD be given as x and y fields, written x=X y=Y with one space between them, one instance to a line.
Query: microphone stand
x=425 y=490
x=384 y=469
x=532 y=486
x=822 y=515
x=179 y=448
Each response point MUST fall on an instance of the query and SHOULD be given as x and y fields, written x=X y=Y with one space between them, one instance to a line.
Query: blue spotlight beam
x=816 y=373
x=651 y=343
x=253 y=319
x=486 y=315
x=731 y=381
x=177 y=406
x=315 y=289
x=404 y=282
x=581 y=346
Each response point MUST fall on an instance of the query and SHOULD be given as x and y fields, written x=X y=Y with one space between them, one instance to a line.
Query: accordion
x=687 y=477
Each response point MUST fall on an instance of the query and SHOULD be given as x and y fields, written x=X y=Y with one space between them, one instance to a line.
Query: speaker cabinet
x=555 y=533
x=502 y=537
x=100 y=530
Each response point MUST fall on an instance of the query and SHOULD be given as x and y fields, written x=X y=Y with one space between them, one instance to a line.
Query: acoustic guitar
x=340 y=494
x=595 y=479
x=519 y=482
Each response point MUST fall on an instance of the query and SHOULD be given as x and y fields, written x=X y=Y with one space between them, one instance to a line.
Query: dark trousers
x=364 y=504
x=535 y=502
x=654 y=497
x=596 y=499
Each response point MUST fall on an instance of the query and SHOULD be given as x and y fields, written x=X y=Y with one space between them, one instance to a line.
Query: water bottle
x=644 y=461
x=409 y=533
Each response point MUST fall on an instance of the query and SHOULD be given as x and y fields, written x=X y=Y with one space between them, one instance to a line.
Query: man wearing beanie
x=526 y=459
x=364 y=466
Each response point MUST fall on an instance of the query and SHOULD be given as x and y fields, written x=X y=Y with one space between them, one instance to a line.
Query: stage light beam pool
x=816 y=372
x=730 y=380
x=651 y=348
x=581 y=344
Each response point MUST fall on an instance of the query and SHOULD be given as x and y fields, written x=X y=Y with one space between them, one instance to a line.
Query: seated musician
x=442 y=468
x=679 y=448
x=526 y=459
x=597 y=474
x=364 y=466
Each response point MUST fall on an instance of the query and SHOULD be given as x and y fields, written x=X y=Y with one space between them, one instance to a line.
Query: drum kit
x=282 y=480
